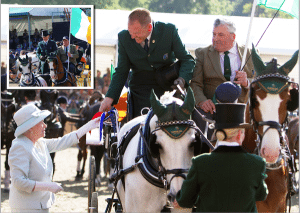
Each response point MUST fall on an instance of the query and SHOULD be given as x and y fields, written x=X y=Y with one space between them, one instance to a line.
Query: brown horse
x=270 y=101
x=60 y=76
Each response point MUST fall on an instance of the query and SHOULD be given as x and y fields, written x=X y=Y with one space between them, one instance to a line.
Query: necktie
x=67 y=51
x=227 y=69
x=146 y=47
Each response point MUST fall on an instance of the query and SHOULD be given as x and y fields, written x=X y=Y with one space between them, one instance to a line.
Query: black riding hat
x=230 y=116
x=45 y=33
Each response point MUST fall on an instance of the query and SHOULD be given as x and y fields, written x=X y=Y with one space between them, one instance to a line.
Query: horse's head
x=174 y=137
x=25 y=67
x=52 y=62
x=270 y=99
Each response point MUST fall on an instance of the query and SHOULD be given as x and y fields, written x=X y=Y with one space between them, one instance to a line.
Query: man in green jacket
x=144 y=47
x=45 y=48
x=228 y=179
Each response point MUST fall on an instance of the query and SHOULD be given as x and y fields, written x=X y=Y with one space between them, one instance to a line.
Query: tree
x=262 y=11
x=172 y=6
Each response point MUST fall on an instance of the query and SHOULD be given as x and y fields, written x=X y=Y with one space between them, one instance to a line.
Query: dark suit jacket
x=208 y=74
x=165 y=46
x=227 y=180
x=46 y=50
x=61 y=52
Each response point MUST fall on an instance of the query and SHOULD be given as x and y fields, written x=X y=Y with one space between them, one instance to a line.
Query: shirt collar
x=233 y=50
x=225 y=143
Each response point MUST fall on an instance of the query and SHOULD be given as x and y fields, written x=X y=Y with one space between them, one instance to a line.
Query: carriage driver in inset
x=45 y=49
x=68 y=55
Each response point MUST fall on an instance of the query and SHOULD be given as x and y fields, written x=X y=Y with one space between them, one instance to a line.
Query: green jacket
x=46 y=50
x=227 y=180
x=165 y=46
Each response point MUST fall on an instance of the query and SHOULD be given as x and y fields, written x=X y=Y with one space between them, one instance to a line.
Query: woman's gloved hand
x=88 y=127
x=48 y=186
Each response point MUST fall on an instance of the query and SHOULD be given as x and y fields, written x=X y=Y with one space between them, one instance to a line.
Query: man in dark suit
x=144 y=47
x=210 y=69
x=68 y=55
x=228 y=179
x=45 y=48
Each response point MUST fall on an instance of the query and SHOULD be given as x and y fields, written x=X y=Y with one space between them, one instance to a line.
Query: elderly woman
x=32 y=189
x=229 y=179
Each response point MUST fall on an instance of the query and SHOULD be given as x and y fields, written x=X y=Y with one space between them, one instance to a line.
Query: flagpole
x=249 y=32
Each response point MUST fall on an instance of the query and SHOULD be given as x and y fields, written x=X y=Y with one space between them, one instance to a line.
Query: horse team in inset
x=27 y=67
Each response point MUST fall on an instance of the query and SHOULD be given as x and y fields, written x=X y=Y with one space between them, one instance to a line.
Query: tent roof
x=19 y=11
x=33 y=11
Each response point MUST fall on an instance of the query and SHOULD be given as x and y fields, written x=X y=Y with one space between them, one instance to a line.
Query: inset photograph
x=50 y=47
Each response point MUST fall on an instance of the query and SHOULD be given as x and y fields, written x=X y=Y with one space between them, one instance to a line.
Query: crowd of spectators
x=102 y=83
x=19 y=40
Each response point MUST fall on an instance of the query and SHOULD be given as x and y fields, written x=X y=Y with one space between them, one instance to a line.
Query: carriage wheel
x=94 y=203
x=91 y=180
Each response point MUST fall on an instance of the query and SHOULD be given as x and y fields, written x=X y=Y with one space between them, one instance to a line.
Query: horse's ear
x=158 y=108
x=289 y=65
x=258 y=63
x=293 y=103
x=189 y=102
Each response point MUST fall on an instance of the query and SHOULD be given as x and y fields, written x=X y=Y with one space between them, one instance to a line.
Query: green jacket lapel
x=215 y=60
x=154 y=37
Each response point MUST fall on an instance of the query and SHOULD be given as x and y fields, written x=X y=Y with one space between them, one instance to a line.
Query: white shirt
x=235 y=61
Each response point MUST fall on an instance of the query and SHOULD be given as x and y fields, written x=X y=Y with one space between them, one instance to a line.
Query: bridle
x=64 y=79
x=280 y=128
x=178 y=172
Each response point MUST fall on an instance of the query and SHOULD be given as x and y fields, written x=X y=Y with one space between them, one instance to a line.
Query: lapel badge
x=165 y=56
x=153 y=41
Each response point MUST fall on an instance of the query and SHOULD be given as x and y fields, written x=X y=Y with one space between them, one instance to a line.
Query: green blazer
x=227 y=180
x=208 y=74
x=165 y=46
x=46 y=50
x=61 y=52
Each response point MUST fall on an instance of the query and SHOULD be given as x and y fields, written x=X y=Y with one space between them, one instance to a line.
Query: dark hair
x=141 y=15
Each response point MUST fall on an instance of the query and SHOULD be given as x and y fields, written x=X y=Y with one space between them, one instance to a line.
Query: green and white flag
x=80 y=25
x=290 y=7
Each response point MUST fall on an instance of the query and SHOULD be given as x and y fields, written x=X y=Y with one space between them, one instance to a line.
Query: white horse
x=35 y=64
x=173 y=142
x=28 y=78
